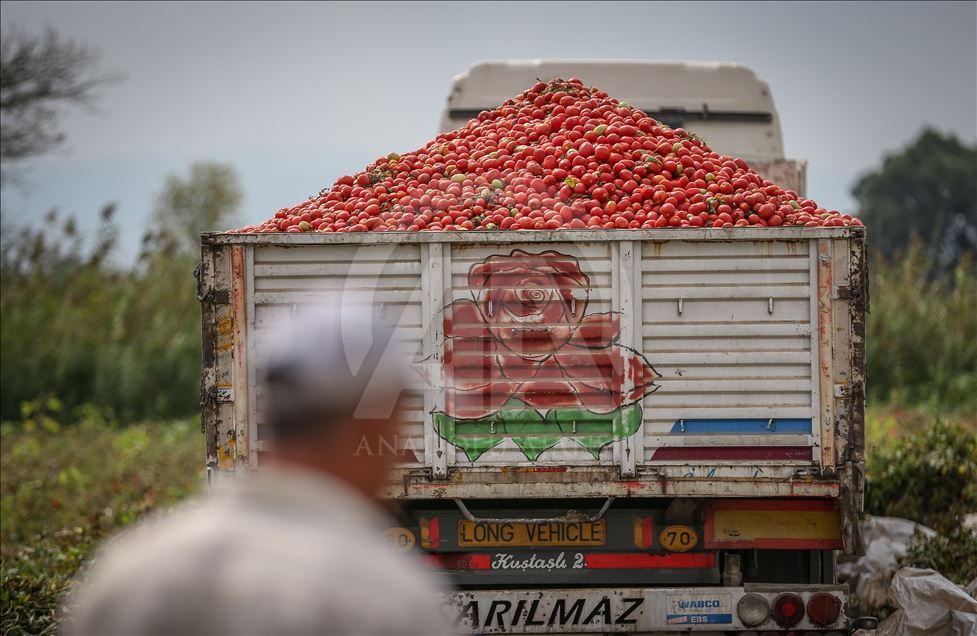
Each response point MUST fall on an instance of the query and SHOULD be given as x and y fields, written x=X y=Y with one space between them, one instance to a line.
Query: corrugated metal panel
x=471 y=290
x=729 y=320
x=287 y=280
x=728 y=326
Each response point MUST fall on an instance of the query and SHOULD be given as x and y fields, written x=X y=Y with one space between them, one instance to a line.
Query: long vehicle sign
x=498 y=535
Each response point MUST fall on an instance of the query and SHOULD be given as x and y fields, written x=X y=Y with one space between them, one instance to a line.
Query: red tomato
x=560 y=155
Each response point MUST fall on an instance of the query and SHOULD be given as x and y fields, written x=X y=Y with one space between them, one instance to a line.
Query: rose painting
x=524 y=360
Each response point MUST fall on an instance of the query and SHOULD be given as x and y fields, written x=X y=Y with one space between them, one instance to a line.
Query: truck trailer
x=670 y=439
x=694 y=441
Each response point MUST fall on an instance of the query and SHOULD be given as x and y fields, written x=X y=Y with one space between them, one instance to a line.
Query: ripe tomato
x=559 y=155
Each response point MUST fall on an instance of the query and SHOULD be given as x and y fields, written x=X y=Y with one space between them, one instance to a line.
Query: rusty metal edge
x=239 y=311
x=858 y=308
x=287 y=239
x=851 y=502
x=208 y=325
x=416 y=484
x=825 y=322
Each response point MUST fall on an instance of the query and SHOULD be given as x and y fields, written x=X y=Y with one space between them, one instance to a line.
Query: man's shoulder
x=266 y=563
x=165 y=535
x=211 y=530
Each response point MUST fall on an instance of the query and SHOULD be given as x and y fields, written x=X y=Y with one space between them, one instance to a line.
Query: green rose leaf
x=528 y=429
x=472 y=436
x=533 y=433
x=594 y=431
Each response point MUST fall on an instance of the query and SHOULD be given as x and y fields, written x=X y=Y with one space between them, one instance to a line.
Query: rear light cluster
x=788 y=609
x=823 y=609
x=753 y=609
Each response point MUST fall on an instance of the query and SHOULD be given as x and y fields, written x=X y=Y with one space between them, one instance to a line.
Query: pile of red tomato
x=560 y=155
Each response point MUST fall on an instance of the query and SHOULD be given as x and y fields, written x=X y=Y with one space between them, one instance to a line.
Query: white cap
x=330 y=363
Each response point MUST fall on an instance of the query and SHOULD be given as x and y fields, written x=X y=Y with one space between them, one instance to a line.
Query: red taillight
x=788 y=609
x=823 y=609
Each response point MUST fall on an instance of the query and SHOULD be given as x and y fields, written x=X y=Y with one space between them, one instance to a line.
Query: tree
x=38 y=75
x=206 y=200
x=928 y=191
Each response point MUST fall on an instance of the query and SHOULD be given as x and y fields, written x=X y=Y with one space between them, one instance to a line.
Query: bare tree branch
x=39 y=74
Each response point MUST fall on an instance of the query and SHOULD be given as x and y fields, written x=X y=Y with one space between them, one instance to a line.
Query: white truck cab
x=725 y=103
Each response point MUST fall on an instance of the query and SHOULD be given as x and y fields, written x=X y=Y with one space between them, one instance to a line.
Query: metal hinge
x=213 y=395
x=848 y=292
x=649 y=473
x=207 y=294
x=807 y=473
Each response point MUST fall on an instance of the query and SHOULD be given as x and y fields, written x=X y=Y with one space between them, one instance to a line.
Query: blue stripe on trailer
x=776 y=426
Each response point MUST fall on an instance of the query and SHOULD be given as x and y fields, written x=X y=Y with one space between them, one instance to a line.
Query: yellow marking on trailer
x=225 y=326
x=225 y=333
x=226 y=454
x=750 y=525
x=678 y=538
x=643 y=536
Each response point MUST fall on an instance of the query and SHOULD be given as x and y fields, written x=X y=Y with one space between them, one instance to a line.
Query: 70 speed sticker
x=699 y=609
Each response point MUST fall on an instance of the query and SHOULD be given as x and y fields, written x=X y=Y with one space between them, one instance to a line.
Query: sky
x=294 y=95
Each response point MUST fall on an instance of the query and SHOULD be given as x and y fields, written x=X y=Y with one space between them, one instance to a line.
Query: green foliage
x=886 y=424
x=69 y=482
x=34 y=580
x=77 y=327
x=205 y=201
x=922 y=335
x=952 y=554
x=929 y=477
x=926 y=191
x=924 y=468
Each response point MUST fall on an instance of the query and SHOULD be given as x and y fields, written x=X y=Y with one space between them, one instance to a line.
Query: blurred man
x=299 y=547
